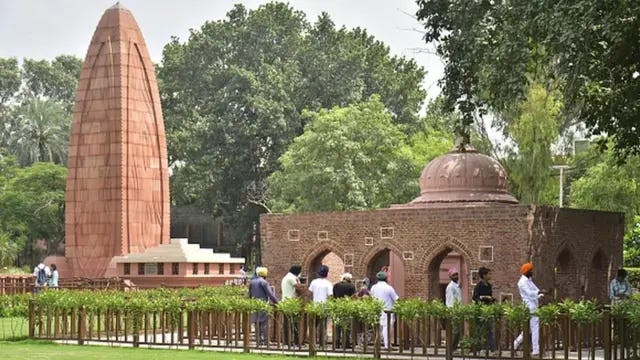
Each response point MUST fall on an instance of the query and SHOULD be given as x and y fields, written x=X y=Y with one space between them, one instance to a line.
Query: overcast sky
x=47 y=28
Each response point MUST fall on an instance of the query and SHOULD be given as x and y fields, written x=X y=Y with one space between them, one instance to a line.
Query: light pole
x=561 y=168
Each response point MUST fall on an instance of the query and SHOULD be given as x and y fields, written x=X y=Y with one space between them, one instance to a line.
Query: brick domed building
x=464 y=217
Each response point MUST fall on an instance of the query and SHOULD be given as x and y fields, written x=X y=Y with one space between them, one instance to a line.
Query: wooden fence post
x=190 y=329
x=526 y=335
x=32 y=319
x=449 y=339
x=376 y=342
x=312 y=335
x=82 y=326
x=246 y=331
x=606 y=328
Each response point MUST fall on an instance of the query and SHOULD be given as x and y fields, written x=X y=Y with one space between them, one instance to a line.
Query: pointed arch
x=598 y=275
x=453 y=245
x=566 y=275
x=374 y=251
x=386 y=254
x=433 y=259
x=318 y=252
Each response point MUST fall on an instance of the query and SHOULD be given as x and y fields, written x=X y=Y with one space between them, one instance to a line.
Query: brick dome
x=464 y=175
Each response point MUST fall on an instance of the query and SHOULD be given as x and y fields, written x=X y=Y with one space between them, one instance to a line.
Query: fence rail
x=609 y=338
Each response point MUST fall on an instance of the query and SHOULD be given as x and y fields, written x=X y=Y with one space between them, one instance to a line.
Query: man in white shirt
x=453 y=296
x=384 y=292
x=530 y=295
x=288 y=286
x=322 y=289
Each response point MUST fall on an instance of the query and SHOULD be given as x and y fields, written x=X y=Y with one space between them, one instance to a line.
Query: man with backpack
x=41 y=275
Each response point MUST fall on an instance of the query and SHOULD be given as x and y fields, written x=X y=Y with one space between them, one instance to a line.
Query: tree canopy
x=348 y=158
x=234 y=93
x=31 y=209
x=36 y=100
x=588 y=49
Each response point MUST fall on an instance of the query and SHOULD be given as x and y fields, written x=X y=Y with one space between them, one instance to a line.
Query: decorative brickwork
x=517 y=234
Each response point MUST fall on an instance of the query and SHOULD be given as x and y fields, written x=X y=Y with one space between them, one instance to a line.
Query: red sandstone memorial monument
x=117 y=199
x=464 y=217
x=117 y=196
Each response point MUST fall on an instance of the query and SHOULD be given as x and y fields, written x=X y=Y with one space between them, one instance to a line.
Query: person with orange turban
x=530 y=295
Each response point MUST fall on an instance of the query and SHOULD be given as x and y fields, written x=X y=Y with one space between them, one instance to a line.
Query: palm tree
x=39 y=131
x=8 y=250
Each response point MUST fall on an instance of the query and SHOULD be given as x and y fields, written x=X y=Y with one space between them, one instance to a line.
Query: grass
x=41 y=350
x=13 y=328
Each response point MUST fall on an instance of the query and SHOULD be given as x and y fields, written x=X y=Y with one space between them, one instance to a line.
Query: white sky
x=47 y=28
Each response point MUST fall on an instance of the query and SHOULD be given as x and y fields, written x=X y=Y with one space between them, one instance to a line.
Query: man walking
x=483 y=294
x=41 y=273
x=384 y=292
x=620 y=288
x=288 y=287
x=259 y=288
x=344 y=288
x=530 y=295
x=453 y=296
x=322 y=290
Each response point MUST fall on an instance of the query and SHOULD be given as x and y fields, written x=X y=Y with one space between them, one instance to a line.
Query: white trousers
x=534 y=326
x=384 y=330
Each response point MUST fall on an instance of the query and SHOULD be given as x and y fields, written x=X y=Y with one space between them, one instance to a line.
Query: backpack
x=42 y=276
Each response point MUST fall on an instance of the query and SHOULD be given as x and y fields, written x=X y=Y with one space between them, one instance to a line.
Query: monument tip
x=118 y=6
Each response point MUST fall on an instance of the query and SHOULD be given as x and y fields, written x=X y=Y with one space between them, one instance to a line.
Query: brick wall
x=500 y=237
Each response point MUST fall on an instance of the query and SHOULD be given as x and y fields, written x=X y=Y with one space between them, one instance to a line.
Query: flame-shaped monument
x=117 y=199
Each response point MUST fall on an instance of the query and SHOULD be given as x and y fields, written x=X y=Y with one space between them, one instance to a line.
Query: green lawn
x=11 y=328
x=39 y=350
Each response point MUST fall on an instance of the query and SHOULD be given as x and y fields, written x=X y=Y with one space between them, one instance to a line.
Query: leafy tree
x=56 y=80
x=534 y=131
x=32 y=208
x=39 y=132
x=492 y=49
x=9 y=79
x=36 y=100
x=9 y=250
x=632 y=245
x=348 y=158
x=233 y=97
x=609 y=186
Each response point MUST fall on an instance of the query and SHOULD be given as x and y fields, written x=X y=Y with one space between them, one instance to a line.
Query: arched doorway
x=566 y=278
x=438 y=274
x=330 y=259
x=391 y=260
x=596 y=286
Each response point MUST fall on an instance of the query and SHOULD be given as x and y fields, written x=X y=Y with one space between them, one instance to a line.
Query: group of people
x=45 y=276
x=483 y=294
x=321 y=290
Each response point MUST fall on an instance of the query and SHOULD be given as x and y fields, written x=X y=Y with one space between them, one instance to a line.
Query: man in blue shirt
x=620 y=288
x=259 y=288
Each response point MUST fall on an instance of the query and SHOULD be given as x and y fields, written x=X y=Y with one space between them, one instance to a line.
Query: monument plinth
x=117 y=196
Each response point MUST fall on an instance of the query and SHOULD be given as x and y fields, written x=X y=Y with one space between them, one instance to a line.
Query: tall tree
x=589 y=48
x=32 y=208
x=348 y=158
x=233 y=96
x=533 y=131
x=56 y=80
x=9 y=79
x=39 y=131
x=609 y=186
x=36 y=100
